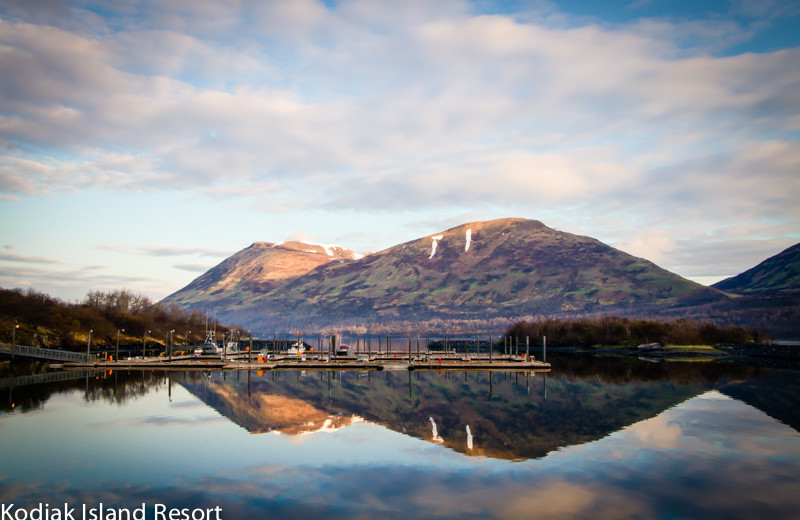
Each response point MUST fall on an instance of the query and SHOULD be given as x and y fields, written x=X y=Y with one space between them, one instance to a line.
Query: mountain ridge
x=778 y=273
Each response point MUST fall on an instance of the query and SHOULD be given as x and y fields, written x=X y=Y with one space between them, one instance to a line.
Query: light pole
x=116 y=354
x=88 y=344
x=187 y=337
x=144 y=344
x=171 y=335
x=14 y=341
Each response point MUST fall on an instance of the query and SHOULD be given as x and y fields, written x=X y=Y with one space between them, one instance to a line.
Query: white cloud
x=10 y=257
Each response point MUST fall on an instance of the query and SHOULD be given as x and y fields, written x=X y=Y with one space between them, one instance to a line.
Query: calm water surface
x=595 y=438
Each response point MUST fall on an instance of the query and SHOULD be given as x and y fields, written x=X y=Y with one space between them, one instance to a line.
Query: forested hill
x=45 y=321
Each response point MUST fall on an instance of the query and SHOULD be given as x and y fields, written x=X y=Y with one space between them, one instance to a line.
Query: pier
x=321 y=362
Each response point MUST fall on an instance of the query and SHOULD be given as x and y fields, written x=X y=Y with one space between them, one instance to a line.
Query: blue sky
x=142 y=142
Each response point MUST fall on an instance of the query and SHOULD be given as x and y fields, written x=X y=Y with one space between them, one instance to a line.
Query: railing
x=45 y=353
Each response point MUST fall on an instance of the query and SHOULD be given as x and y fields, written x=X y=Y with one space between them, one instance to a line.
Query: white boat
x=209 y=345
x=296 y=349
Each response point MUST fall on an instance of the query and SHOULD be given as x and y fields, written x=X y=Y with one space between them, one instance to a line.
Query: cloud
x=181 y=251
x=70 y=277
x=467 y=85
x=194 y=268
x=10 y=257
x=165 y=251
x=73 y=283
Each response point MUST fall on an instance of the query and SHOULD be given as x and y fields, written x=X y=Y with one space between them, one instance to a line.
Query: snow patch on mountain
x=469 y=240
x=435 y=243
x=327 y=247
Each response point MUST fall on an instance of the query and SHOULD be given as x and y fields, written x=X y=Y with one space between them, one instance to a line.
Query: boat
x=209 y=345
x=649 y=346
x=342 y=350
x=297 y=349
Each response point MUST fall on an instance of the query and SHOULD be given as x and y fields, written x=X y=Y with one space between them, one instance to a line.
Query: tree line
x=44 y=321
x=615 y=330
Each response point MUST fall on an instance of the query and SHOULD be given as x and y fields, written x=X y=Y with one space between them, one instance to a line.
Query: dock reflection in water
x=596 y=437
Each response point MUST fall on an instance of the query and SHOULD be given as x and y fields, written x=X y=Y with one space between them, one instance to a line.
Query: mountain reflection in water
x=596 y=437
x=512 y=415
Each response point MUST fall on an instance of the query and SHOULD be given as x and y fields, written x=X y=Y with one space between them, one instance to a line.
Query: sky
x=142 y=141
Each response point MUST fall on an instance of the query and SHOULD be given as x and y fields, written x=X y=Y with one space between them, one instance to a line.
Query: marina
x=389 y=354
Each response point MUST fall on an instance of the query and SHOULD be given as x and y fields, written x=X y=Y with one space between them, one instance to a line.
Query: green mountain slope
x=778 y=273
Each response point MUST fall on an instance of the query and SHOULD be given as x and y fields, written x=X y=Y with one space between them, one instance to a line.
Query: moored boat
x=649 y=346
x=297 y=349
x=209 y=345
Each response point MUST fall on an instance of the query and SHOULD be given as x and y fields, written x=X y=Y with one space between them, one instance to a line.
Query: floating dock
x=322 y=362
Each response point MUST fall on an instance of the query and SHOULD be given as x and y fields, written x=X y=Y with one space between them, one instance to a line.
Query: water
x=594 y=438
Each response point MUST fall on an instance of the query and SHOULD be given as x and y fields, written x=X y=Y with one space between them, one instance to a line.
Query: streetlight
x=88 y=344
x=171 y=333
x=187 y=337
x=144 y=344
x=116 y=355
x=14 y=341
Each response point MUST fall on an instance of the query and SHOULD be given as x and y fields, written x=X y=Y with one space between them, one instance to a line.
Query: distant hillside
x=779 y=273
x=480 y=270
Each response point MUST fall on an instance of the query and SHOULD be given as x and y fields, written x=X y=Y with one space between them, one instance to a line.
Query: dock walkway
x=43 y=353
x=322 y=362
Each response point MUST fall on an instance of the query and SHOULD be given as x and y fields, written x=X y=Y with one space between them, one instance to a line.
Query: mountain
x=480 y=270
x=779 y=273
x=254 y=270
